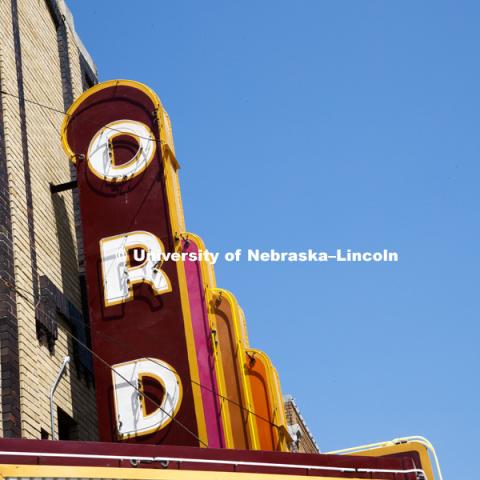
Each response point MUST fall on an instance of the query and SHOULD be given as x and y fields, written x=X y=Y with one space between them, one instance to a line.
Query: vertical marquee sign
x=171 y=355
x=117 y=135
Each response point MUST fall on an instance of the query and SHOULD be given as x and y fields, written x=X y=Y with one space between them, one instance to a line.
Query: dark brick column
x=10 y=384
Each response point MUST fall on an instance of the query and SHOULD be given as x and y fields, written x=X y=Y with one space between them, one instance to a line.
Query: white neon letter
x=132 y=419
x=101 y=157
x=119 y=277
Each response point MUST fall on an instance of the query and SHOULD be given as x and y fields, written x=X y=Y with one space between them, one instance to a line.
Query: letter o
x=101 y=157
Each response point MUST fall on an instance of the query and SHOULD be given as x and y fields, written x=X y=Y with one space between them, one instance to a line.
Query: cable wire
x=104 y=362
x=124 y=345
x=53 y=109
x=88 y=326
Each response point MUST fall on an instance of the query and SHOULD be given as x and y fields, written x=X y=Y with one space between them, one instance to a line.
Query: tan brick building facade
x=303 y=440
x=42 y=64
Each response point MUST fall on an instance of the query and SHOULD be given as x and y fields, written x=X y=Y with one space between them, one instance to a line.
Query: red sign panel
x=142 y=338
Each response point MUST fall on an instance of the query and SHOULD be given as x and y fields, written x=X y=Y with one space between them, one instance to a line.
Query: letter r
x=119 y=277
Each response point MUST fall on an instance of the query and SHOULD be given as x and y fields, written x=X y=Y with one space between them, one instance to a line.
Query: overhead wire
x=105 y=363
x=88 y=326
x=117 y=343
x=53 y=109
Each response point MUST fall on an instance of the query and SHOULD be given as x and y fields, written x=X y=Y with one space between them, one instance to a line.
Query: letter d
x=130 y=406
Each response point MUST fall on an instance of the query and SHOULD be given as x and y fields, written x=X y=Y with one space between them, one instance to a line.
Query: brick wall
x=41 y=62
x=303 y=438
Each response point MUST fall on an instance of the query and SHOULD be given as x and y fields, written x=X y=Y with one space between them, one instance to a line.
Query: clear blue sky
x=331 y=124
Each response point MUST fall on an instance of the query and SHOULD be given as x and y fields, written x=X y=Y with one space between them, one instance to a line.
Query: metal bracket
x=62 y=187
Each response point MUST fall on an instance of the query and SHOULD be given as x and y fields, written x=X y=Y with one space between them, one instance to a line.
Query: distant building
x=43 y=67
x=303 y=441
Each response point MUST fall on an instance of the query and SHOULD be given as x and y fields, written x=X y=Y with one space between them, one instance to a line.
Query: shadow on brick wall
x=76 y=320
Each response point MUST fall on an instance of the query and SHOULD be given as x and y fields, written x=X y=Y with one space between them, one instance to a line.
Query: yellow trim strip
x=220 y=373
x=208 y=273
x=192 y=356
x=240 y=340
x=36 y=471
x=97 y=88
x=393 y=449
x=274 y=397
x=177 y=222
x=208 y=278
